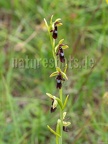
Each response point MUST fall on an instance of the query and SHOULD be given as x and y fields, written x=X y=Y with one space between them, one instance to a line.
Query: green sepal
x=64 y=75
x=65 y=102
x=56 y=134
x=59 y=24
x=56 y=48
x=65 y=46
x=46 y=24
x=50 y=95
x=57 y=21
x=54 y=74
x=58 y=69
x=61 y=41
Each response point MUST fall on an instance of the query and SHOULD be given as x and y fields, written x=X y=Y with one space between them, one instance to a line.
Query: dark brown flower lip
x=52 y=110
x=65 y=129
x=60 y=52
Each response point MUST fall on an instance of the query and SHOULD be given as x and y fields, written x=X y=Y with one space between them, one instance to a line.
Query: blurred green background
x=24 y=106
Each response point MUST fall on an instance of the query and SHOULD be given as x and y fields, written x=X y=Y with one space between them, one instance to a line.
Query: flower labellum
x=52 y=110
x=55 y=27
x=55 y=32
x=54 y=105
x=65 y=129
x=61 y=54
x=59 y=84
x=59 y=79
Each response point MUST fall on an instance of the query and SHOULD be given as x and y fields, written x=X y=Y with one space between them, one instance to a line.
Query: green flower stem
x=54 y=55
x=61 y=116
x=53 y=51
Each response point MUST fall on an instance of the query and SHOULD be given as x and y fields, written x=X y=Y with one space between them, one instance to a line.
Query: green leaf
x=65 y=102
x=56 y=134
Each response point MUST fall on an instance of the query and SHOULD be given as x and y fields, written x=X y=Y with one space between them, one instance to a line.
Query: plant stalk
x=61 y=116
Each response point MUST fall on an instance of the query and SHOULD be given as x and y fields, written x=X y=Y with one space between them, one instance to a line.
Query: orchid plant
x=60 y=74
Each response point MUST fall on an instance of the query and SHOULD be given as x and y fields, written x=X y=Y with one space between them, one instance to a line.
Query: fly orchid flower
x=65 y=124
x=55 y=102
x=60 y=76
x=54 y=27
x=59 y=50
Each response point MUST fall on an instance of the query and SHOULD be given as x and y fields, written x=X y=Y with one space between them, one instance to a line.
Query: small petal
x=51 y=20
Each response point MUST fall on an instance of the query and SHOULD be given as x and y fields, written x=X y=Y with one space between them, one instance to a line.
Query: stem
x=61 y=116
x=60 y=91
x=54 y=55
